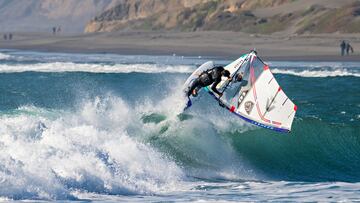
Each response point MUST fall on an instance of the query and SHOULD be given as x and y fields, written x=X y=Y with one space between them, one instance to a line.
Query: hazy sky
x=41 y=15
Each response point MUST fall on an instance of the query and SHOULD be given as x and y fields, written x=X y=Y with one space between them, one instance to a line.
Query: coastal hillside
x=41 y=15
x=252 y=16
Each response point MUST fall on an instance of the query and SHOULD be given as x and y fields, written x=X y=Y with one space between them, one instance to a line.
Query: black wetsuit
x=212 y=76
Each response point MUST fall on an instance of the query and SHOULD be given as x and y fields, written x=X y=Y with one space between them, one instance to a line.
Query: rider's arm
x=213 y=87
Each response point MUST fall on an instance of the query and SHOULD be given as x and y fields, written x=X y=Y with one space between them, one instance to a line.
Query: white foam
x=188 y=137
x=101 y=148
x=316 y=73
x=4 y=56
x=94 y=68
x=89 y=150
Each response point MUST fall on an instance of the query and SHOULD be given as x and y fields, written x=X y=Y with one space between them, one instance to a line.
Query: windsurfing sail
x=257 y=98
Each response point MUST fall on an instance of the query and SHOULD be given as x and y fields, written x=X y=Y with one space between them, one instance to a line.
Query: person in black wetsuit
x=212 y=76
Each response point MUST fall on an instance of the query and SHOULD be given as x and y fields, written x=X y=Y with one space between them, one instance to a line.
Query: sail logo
x=248 y=107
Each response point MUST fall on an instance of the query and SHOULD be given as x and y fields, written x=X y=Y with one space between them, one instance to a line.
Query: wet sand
x=324 y=47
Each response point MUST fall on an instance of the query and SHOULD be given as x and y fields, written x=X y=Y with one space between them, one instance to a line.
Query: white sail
x=258 y=98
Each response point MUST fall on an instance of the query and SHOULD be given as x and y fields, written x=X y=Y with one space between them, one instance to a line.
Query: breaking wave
x=77 y=136
x=44 y=158
x=94 y=68
x=316 y=73
x=4 y=56
x=157 y=68
x=105 y=147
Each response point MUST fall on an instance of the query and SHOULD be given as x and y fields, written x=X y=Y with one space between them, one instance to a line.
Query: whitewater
x=106 y=127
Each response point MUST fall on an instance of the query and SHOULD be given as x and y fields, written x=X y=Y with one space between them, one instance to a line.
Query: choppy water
x=106 y=127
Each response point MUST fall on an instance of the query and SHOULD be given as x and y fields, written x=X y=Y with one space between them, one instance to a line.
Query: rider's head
x=239 y=77
x=225 y=73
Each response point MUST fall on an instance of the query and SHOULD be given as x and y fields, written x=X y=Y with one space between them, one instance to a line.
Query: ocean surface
x=105 y=127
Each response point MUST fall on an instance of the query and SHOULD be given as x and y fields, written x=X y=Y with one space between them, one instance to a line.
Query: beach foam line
x=316 y=73
x=94 y=68
x=4 y=56
x=153 y=68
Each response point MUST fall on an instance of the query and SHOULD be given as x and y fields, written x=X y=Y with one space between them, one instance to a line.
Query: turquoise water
x=106 y=127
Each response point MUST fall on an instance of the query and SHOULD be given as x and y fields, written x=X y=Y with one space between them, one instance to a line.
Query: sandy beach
x=324 y=47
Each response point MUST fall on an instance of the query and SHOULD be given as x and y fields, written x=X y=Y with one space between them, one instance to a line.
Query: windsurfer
x=212 y=76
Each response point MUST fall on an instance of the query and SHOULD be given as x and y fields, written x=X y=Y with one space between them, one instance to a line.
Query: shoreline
x=222 y=45
x=321 y=58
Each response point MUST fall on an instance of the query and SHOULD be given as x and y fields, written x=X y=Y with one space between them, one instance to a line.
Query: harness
x=206 y=77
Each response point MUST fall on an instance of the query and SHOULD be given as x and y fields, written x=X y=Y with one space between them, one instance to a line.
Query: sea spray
x=105 y=147
x=80 y=151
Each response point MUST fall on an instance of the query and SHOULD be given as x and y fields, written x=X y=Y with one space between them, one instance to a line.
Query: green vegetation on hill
x=320 y=20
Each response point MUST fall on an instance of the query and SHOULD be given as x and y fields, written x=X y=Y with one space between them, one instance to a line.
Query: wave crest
x=317 y=73
x=94 y=68
x=90 y=150
x=4 y=56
